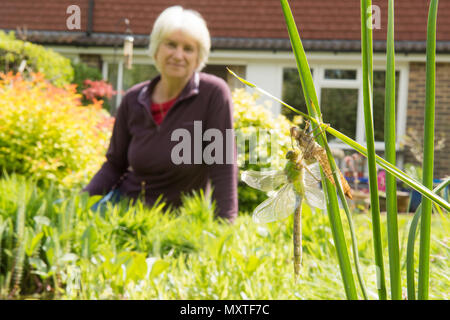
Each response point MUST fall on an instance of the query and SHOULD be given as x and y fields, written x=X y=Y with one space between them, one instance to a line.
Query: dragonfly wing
x=285 y=205
x=313 y=194
x=264 y=180
x=312 y=175
x=277 y=207
x=315 y=197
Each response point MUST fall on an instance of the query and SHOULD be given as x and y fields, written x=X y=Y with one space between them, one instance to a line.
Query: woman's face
x=177 y=56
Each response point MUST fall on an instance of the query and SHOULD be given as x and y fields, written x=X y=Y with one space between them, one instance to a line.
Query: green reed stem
x=341 y=194
x=411 y=241
x=367 y=68
x=332 y=202
x=391 y=184
x=428 y=153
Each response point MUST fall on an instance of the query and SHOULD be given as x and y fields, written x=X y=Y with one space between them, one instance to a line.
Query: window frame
x=320 y=82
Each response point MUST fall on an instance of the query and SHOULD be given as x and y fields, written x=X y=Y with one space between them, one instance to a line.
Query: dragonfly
x=314 y=151
x=287 y=189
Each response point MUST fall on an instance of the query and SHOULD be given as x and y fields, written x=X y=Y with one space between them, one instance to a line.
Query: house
x=250 y=37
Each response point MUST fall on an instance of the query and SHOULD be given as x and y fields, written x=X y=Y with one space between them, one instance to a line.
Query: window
x=340 y=99
x=379 y=80
x=340 y=74
x=138 y=73
x=222 y=72
x=339 y=109
x=217 y=70
x=293 y=92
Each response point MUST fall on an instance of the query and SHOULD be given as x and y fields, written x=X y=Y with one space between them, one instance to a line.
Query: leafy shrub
x=90 y=84
x=262 y=142
x=47 y=133
x=98 y=90
x=83 y=72
x=56 y=68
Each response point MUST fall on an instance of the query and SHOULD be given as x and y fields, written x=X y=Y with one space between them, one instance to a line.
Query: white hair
x=186 y=20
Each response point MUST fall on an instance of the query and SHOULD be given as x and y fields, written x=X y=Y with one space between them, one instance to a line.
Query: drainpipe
x=90 y=21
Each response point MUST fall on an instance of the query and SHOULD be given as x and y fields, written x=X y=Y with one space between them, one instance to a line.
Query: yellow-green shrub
x=272 y=143
x=13 y=52
x=46 y=132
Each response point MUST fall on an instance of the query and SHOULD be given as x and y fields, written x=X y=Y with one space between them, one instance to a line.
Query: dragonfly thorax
x=294 y=171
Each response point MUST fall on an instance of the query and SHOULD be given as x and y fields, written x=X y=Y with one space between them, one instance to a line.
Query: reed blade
x=428 y=153
x=367 y=71
x=391 y=183
x=411 y=241
x=329 y=189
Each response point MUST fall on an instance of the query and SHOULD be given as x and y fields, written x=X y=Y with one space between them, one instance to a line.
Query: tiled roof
x=109 y=39
x=239 y=23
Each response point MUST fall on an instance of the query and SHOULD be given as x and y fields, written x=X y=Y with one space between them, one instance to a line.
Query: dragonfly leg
x=307 y=124
x=310 y=137
x=321 y=130
x=312 y=175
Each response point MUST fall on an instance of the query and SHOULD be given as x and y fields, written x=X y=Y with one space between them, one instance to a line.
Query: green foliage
x=56 y=68
x=47 y=133
x=257 y=132
x=84 y=72
x=136 y=252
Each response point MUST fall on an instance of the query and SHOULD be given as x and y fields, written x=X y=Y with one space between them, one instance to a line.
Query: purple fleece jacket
x=145 y=151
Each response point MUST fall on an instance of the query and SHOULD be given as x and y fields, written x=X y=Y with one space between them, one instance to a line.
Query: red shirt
x=159 y=110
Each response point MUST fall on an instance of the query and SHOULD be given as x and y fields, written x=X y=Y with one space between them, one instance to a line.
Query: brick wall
x=416 y=112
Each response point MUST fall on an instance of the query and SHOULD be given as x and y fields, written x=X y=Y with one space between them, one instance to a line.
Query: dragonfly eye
x=291 y=155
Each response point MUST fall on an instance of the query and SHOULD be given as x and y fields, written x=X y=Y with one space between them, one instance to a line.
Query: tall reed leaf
x=411 y=241
x=367 y=68
x=332 y=202
x=428 y=153
x=389 y=138
x=340 y=190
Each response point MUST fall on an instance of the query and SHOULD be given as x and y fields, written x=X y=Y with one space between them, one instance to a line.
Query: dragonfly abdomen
x=297 y=238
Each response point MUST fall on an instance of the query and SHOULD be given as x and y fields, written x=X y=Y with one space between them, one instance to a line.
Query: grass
x=140 y=253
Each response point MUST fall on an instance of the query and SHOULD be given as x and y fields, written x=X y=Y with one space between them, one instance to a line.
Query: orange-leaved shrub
x=46 y=132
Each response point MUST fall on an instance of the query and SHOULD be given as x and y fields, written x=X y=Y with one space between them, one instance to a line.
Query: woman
x=146 y=146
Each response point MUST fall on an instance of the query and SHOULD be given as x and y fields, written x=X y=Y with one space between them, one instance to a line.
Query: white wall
x=267 y=76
